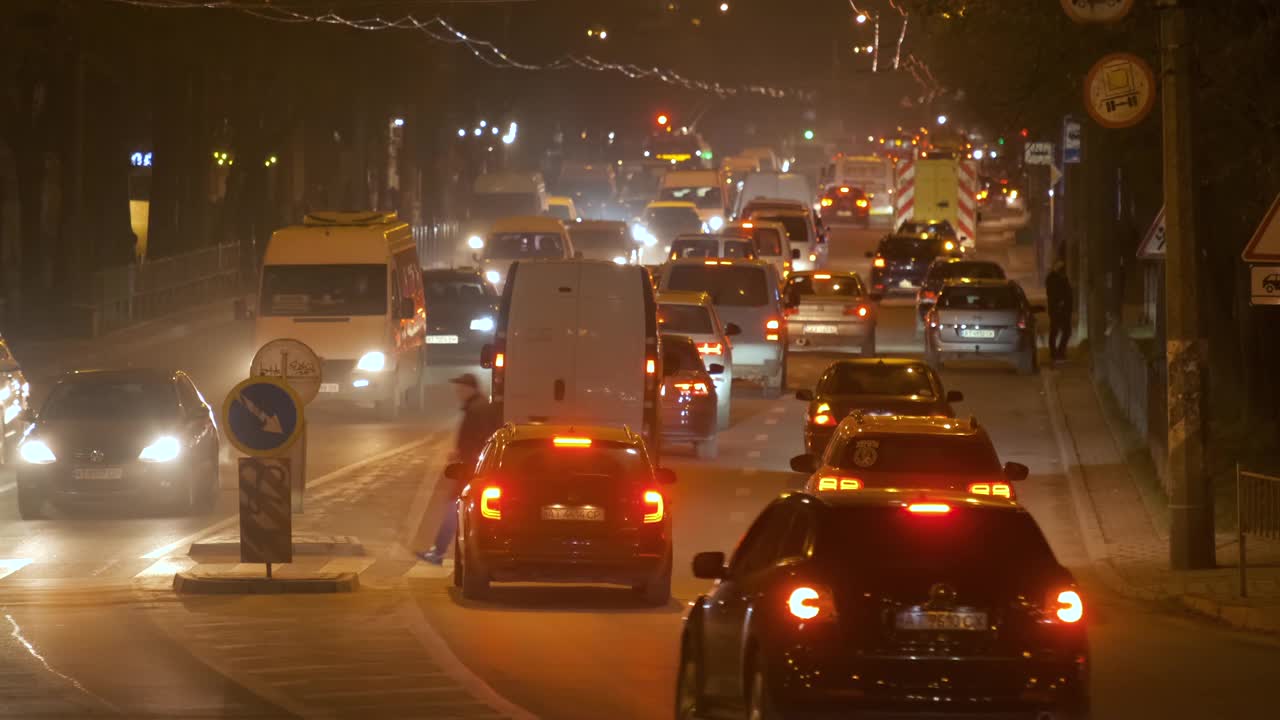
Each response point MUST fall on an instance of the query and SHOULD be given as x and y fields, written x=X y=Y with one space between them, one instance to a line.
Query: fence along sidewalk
x=122 y=296
x=1257 y=513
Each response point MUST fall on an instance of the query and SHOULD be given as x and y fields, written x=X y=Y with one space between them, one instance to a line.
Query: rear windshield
x=680 y=356
x=865 y=379
x=977 y=271
x=695 y=248
x=535 y=461
x=491 y=206
x=672 y=216
x=98 y=399
x=913 y=247
x=893 y=538
x=588 y=240
x=439 y=289
x=936 y=454
x=704 y=197
x=768 y=241
x=320 y=290
x=822 y=285
x=519 y=246
x=973 y=298
x=728 y=285
x=796 y=226
x=685 y=319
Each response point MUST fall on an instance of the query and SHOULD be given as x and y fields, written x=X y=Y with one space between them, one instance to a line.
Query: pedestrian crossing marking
x=9 y=566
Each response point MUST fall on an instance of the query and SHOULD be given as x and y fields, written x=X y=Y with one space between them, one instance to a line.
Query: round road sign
x=1120 y=90
x=292 y=361
x=263 y=416
x=1097 y=11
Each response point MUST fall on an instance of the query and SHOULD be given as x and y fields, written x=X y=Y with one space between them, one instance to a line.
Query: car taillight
x=929 y=508
x=878 y=262
x=862 y=202
x=827 y=202
x=697 y=389
x=650 y=366
x=654 y=506
x=790 y=311
x=823 y=419
x=1067 y=606
x=859 y=310
x=489 y=503
x=997 y=489
x=928 y=295
x=710 y=349
x=830 y=482
x=1022 y=322
x=809 y=602
x=771 y=329
x=571 y=442
x=500 y=360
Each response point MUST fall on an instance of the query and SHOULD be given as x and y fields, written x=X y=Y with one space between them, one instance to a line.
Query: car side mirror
x=715 y=369
x=804 y=464
x=795 y=253
x=1038 y=308
x=804 y=395
x=486 y=357
x=665 y=476
x=709 y=565
x=732 y=329
x=1016 y=472
x=407 y=309
x=955 y=396
x=458 y=472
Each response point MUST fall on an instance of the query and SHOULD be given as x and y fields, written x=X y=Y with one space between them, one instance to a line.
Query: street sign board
x=1264 y=246
x=1054 y=175
x=1072 y=142
x=266 y=521
x=263 y=416
x=1038 y=153
x=1152 y=245
x=1097 y=11
x=1264 y=284
x=292 y=360
x=1120 y=90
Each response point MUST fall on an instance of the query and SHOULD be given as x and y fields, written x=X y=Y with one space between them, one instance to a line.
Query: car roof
x=671 y=204
x=701 y=236
x=603 y=433
x=747 y=262
x=685 y=297
x=890 y=361
x=527 y=223
x=863 y=424
x=140 y=375
x=599 y=225
x=892 y=497
x=977 y=283
x=466 y=272
x=832 y=273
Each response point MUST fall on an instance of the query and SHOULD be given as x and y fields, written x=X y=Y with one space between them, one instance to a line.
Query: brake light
x=878 y=262
x=1068 y=607
x=694 y=388
x=704 y=262
x=650 y=367
x=654 y=507
x=929 y=508
x=822 y=276
x=859 y=310
x=839 y=483
x=993 y=489
x=500 y=360
x=571 y=442
x=489 y=507
x=823 y=419
x=810 y=603
x=928 y=295
x=771 y=330
x=748 y=225
x=710 y=349
x=861 y=202
x=826 y=202
x=789 y=311
x=844 y=189
x=1022 y=322
x=772 y=325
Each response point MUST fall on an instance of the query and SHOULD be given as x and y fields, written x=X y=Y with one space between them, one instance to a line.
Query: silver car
x=982 y=318
x=829 y=311
x=692 y=314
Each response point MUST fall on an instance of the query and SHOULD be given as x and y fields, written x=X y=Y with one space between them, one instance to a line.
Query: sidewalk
x=1124 y=532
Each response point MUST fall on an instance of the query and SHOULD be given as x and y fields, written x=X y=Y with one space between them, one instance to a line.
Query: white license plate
x=585 y=513
x=106 y=473
x=844 y=213
x=978 y=334
x=821 y=329
x=328 y=387
x=942 y=620
x=905 y=284
x=442 y=339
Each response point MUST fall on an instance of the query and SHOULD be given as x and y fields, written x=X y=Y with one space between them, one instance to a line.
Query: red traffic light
x=663 y=119
x=1024 y=132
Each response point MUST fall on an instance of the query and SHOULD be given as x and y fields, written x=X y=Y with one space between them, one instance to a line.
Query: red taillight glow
x=571 y=442
x=859 y=310
x=748 y=225
x=489 y=498
x=693 y=388
x=844 y=189
x=928 y=294
x=994 y=489
x=654 y=507
x=826 y=202
x=788 y=312
x=772 y=325
x=827 y=482
x=878 y=262
x=771 y=330
x=929 y=508
x=823 y=419
x=1022 y=322
x=1070 y=608
x=800 y=603
x=710 y=349
x=821 y=276
x=650 y=367
x=500 y=360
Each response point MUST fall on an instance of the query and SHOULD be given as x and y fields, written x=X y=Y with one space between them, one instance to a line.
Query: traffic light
x=1025 y=132
x=1000 y=141
x=663 y=119
x=808 y=134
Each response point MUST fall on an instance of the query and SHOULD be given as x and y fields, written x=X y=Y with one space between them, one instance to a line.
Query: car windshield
x=695 y=248
x=919 y=454
x=102 y=399
x=672 y=216
x=727 y=284
x=895 y=539
x=975 y=270
x=560 y=212
x=491 y=206
x=876 y=379
x=438 y=289
x=680 y=354
x=900 y=246
x=324 y=290
x=523 y=246
x=822 y=285
x=707 y=196
x=685 y=319
x=978 y=298
x=602 y=240
x=535 y=461
x=796 y=225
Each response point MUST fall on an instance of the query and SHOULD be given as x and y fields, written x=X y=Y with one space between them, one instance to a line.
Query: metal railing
x=1257 y=513
x=122 y=296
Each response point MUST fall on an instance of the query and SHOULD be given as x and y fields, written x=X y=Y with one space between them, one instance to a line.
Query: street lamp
x=942 y=119
x=724 y=7
x=861 y=18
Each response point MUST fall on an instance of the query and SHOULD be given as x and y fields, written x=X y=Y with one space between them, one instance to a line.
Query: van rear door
x=541 y=342
x=609 y=384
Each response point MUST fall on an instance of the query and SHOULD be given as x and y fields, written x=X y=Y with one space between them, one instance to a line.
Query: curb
x=337 y=547
x=1095 y=544
x=196 y=584
x=1238 y=616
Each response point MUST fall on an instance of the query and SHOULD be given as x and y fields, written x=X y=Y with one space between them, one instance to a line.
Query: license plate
x=942 y=620
x=978 y=333
x=328 y=387
x=821 y=329
x=107 y=473
x=905 y=284
x=442 y=339
x=844 y=213
x=584 y=513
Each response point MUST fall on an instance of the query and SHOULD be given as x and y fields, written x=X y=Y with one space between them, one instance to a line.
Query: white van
x=789 y=186
x=503 y=194
x=577 y=343
x=527 y=237
x=703 y=188
x=348 y=284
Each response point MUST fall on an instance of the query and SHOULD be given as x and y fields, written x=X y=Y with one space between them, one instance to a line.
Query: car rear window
x=442 y=289
x=539 y=460
x=975 y=270
x=518 y=246
x=768 y=241
x=918 y=454
x=899 y=246
x=94 y=399
x=703 y=197
x=877 y=379
x=680 y=354
x=796 y=225
x=894 y=539
x=823 y=285
x=730 y=285
x=589 y=240
x=695 y=248
x=685 y=319
x=978 y=298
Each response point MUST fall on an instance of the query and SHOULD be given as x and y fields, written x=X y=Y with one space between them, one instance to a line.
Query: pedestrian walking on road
x=1062 y=300
x=478 y=423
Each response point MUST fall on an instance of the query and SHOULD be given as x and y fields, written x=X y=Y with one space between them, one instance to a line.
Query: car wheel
x=869 y=344
x=30 y=504
x=475 y=581
x=760 y=705
x=655 y=591
x=708 y=448
x=689 y=682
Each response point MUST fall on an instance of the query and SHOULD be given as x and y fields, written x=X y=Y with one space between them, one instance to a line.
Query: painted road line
x=9 y=566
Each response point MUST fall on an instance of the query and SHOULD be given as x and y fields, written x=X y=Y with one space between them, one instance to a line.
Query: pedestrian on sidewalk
x=478 y=423
x=1062 y=300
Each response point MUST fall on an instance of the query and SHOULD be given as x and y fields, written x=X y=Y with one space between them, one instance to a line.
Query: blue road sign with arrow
x=263 y=416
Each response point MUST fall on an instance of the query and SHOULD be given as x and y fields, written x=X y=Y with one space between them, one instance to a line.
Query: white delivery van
x=788 y=186
x=348 y=284
x=703 y=188
x=502 y=194
x=577 y=343
x=527 y=237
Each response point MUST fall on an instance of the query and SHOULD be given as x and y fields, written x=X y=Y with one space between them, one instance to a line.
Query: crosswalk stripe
x=9 y=566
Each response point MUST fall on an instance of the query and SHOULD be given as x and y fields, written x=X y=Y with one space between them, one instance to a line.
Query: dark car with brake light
x=689 y=396
x=462 y=311
x=829 y=311
x=900 y=261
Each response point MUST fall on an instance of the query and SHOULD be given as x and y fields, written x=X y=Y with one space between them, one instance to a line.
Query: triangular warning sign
x=1152 y=247
x=1264 y=246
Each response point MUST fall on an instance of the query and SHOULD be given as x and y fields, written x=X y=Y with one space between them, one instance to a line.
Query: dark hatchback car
x=874 y=386
x=690 y=401
x=886 y=603
x=142 y=437
x=554 y=503
x=462 y=309
x=844 y=204
x=950 y=268
x=901 y=261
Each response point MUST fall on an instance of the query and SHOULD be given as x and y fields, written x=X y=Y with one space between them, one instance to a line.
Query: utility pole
x=1191 y=538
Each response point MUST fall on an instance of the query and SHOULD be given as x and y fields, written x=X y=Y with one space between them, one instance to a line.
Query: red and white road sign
x=905 y=196
x=1152 y=246
x=1264 y=246
x=967 y=208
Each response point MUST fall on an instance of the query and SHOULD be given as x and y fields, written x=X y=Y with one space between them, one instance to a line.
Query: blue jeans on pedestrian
x=448 y=529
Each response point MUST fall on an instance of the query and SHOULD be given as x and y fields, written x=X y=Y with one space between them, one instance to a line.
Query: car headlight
x=475 y=242
x=372 y=362
x=620 y=260
x=482 y=324
x=36 y=452
x=715 y=223
x=493 y=276
x=166 y=448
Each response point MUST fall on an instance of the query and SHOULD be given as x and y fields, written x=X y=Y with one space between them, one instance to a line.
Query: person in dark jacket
x=1062 y=300
x=478 y=424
